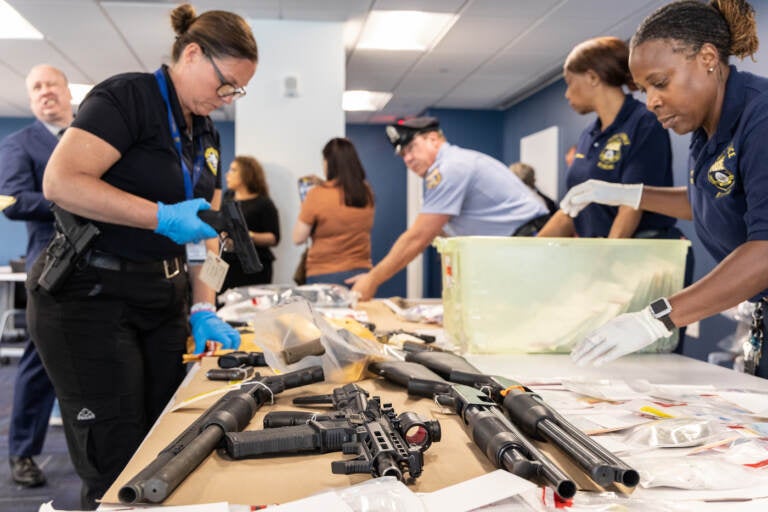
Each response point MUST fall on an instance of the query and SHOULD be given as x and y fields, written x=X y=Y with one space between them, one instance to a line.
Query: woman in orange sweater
x=338 y=215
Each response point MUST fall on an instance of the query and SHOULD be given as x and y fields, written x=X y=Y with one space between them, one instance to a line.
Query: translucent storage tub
x=507 y=294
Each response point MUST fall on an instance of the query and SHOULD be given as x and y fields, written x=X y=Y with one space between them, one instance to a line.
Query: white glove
x=622 y=335
x=596 y=191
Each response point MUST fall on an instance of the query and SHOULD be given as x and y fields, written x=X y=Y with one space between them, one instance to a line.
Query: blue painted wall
x=481 y=130
x=387 y=176
x=13 y=234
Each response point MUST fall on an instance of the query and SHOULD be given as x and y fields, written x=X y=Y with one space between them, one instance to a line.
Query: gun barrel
x=164 y=482
x=623 y=473
x=538 y=419
x=507 y=448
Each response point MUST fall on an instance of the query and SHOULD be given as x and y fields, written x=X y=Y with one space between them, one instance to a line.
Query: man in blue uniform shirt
x=24 y=155
x=465 y=193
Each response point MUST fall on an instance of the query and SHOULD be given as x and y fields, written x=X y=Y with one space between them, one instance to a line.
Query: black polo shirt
x=128 y=112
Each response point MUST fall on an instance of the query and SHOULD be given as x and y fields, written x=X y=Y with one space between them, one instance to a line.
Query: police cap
x=401 y=134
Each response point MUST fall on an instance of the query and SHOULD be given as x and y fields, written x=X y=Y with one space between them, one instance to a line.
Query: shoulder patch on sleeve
x=433 y=178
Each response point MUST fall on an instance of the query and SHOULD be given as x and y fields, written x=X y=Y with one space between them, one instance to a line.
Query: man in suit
x=23 y=157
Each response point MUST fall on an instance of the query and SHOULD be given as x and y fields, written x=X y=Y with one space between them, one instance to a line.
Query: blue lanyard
x=190 y=178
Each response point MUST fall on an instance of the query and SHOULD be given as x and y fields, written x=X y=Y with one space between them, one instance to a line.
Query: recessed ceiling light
x=404 y=30
x=14 y=26
x=354 y=101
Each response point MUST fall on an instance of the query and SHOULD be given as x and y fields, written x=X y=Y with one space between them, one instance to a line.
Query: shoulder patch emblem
x=212 y=159
x=720 y=175
x=433 y=178
x=611 y=152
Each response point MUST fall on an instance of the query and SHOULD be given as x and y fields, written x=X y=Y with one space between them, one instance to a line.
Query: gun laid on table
x=386 y=444
x=231 y=221
x=533 y=416
x=501 y=441
x=230 y=413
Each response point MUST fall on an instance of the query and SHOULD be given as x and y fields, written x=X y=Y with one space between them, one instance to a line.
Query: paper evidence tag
x=214 y=271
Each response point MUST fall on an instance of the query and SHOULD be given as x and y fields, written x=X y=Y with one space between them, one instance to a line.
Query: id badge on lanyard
x=195 y=252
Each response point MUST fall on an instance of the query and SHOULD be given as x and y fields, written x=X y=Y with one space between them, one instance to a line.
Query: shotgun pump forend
x=531 y=414
x=501 y=441
x=386 y=444
x=230 y=220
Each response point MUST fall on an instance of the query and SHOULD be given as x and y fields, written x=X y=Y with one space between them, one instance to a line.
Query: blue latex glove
x=206 y=325
x=180 y=222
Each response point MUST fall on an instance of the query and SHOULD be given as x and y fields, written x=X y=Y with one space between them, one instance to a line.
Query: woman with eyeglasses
x=139 y=162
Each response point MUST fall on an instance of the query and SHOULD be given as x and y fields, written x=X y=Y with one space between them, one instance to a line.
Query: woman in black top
x=248 y=186
x=139 y=162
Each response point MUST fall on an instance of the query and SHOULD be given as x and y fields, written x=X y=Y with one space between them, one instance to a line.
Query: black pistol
x=230 y=221
x=73 y=239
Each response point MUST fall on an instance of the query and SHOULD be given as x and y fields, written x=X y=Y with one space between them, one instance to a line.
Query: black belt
x=533 y=226
x=168 y=268
x=659 y=233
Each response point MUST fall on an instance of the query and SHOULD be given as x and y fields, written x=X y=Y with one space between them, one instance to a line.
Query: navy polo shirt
x=728 y=187
x=635 y=148
x=128 y=112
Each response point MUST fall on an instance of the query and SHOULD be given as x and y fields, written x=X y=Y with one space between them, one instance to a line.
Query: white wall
x=287 y=134
x=415 y=270
x=540 y=150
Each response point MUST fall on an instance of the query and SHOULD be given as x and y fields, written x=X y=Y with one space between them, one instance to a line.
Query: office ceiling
x=496 y=53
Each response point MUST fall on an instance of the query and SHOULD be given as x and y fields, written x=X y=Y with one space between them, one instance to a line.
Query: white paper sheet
x=756 y=403
x=324 y=501
x=477 y=492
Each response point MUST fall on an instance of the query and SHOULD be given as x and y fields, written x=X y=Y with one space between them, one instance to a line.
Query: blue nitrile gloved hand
x=206 y=325
x=180 y=222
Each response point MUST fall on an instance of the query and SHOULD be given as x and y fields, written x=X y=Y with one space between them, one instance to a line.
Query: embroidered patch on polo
x=434 y=178
x=212 y=159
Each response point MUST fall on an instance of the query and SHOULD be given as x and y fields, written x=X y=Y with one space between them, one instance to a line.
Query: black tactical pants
x=112 y=343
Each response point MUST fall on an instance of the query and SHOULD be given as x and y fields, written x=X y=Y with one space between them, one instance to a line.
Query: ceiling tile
x=358 y=117
x=418 y=5
x=510 y=9
x=380 y=61
x=425 y=84
x=464 y=37
x=101 y=54
x=497 y=50
x=328 y=10
x=371 y=81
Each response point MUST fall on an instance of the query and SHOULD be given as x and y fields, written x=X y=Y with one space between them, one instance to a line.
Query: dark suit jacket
x=23 y=157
